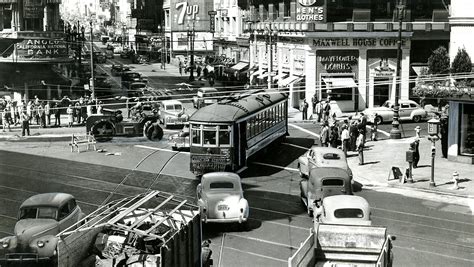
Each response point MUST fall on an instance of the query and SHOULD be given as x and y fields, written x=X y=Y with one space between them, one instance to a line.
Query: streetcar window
x=209 y=135
x=196 y=135
x=224 y=136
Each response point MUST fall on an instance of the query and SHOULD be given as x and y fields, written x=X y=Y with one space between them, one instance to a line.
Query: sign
x=212 y=21
x=33 y=9
x=41 y=49
x=384 y=69
x=190 y=14
x=285 y=59
x=338 y=61
x=299 y=62
x=212 y=13
x=311 y=10
x=357 y=42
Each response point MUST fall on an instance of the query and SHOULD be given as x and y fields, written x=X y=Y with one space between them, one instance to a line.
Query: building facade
x=343 y=49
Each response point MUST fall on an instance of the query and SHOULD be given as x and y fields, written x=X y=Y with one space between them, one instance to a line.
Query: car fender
x=244 y=204
x=12 y=243
x=50 y=244
x=304 y=188
x=418 y=112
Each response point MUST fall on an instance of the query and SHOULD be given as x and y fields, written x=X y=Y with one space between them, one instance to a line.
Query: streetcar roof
x=233 y=108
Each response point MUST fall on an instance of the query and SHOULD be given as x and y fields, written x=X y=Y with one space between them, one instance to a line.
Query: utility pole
x=395 y=132
x=92 y=65
x=191 y=34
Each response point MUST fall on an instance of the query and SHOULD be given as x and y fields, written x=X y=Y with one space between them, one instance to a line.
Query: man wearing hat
x=417 y=132
x=345 y=138
x=324 y=137
x=360 y=146
x=416 y=153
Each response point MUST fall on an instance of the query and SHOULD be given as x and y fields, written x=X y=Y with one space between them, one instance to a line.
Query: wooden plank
x=162 y=220
x=136 y=205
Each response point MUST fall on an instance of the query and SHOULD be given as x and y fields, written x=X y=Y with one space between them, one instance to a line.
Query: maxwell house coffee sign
x=311 y=10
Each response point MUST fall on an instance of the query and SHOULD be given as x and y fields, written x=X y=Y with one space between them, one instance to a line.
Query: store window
x=6 y=18
x=467 y=130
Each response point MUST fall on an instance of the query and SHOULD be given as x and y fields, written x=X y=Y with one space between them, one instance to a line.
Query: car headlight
x=5 y=244
x=40 y=243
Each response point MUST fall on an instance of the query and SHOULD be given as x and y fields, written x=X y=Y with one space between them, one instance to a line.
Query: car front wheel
x=378 y=120
x=416 y=118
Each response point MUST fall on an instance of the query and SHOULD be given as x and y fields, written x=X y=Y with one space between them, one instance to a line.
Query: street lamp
x=191 y=35
x=395 y=133
x=271 y=37
x=92 y=65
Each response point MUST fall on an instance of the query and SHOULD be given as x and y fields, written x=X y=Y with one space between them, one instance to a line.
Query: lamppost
x=92 y=65
x=395 y=132
x=433 y=131
x=271 y=37
x=191 y=35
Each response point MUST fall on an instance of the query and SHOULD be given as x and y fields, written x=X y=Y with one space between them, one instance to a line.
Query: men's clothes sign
x=311 y=10
x=33 y=9
x=41 y=49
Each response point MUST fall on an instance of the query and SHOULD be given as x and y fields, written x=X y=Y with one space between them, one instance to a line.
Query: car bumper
x=239 y=219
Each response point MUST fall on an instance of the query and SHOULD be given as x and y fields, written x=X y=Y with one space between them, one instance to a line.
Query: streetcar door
x=241 y=141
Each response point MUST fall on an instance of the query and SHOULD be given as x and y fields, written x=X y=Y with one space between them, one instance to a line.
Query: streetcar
x=225 y=134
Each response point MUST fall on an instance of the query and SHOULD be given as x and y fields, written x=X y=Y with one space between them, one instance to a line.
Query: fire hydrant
x=455 y=180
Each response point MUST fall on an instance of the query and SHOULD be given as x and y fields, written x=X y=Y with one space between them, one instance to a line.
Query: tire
x=378 y=120
x=152 y=131
x=103 y=130
x=416 y=118
x=300 y=172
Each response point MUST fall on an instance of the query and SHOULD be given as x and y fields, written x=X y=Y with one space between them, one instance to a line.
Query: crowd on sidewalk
x=40 y=112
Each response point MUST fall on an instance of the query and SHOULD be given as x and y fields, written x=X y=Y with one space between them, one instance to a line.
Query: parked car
x=409 y=110
x=99 y=57
x=180 y=141
x=205 y=96
x=324 y=182
x=40 y=219
x=129 y=77
x=221 y=198
x=346 y=210
x=320 y=157
x=118 y=69
x=172 y=112
x=109 y=54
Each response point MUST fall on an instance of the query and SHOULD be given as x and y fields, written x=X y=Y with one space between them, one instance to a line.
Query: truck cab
x=205 y=96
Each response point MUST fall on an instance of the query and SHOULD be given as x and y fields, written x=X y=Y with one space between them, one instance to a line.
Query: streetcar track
x=434 y=241
x=434 y=253
x=250 y=253
x=422 y=216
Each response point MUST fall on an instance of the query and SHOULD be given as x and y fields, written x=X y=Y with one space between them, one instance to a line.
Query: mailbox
x=409 y=156
x=433 y=126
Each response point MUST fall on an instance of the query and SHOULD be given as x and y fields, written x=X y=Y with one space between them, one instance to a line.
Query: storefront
x=461 y=131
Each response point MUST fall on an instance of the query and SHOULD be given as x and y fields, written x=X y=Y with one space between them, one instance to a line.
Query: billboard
x=202 y=42
x=311 y=11
x=188 y=14
x=41 y=50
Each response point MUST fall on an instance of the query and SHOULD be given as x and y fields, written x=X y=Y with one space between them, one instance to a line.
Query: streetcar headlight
x=40 y=243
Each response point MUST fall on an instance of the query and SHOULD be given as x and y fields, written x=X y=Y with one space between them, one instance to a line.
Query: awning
x=252 y=69
x=240 y=66
x=263 y=75
x=289 y=80
x=419 y=69
x=340 y=82
x=280 y=76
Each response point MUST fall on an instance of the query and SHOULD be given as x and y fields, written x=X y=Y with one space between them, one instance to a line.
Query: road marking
x=283 y=213
x=264 y=241
x=470 y=203
x=434 y=253
x=280 y=224
x=275 y=166
x=161 y=149
x=303 y=130
x=254 y=254
x=293 y=145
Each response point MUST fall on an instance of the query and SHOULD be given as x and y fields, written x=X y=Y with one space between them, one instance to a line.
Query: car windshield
x=221 y=185
x=331 y=156
x=348 y=213
x=387 y=104
x=333 y=182
x=38 y=213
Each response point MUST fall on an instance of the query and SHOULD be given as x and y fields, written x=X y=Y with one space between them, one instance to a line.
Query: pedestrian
x=324 y=136
x=333 y=136
x=6 y=120
x=47 y=113
x=25 y=123
x=12 y=113
x=82 y=103
x=345 y=138
x=326 y=110
x=314 y=101
x=198 y=72
x=417 y=132
x=78 y=112
x=304 y=109
x=317 y=111
x=37 y=101
x=29 y=109
x=42 y=115
x=70 y=115
x=317 y=209
x=57 y=115
x=363 y=124
x=360 y=147
x=353 y=134
x=37 y=113
x=180 y=66
x=416 y=153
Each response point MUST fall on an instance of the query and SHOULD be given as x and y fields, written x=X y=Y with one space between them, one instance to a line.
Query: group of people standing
x=37 y=111
x=350 y=135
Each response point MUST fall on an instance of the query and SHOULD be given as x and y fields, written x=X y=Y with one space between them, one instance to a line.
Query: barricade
x=82 y=140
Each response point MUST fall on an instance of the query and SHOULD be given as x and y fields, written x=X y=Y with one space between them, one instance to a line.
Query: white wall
x=462 y=27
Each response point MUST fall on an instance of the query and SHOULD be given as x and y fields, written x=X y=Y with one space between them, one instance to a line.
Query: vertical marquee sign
x=311 y=11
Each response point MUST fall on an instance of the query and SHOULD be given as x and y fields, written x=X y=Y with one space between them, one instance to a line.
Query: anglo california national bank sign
x=311 y=10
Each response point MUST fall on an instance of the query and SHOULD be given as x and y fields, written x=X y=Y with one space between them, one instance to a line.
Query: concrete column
x=271 y=12
x=363 y=83
x=405 y=73
x=262 y=12
x=27 y=94
x=310 y=72
x=45 y=18
x=293 y=10
x=281 y=10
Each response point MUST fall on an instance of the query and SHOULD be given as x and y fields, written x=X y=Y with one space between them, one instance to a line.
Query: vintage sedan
x=180 y=141
x=408 y=110
x=320 y=157
x=172 y=112
x=40 y=219
x=221 y=198
x=345 y=209
x=324 y=182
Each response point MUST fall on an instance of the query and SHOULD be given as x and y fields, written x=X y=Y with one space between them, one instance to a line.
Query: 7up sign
x=186 y=12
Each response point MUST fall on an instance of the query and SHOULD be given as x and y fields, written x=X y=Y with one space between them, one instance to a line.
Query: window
x=47 y=213
x=28 y=213
x=467 y=130
x=63 y=211
x=196 y=134
x=348 y=213
x=331 y=156
x=221 y=185
x=333 y=182
x=413 y=105
x=224 y=136
x=209 y=135
x=7 y=19
x=72 y=204
x=404 y=106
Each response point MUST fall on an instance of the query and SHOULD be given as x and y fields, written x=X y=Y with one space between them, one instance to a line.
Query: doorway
x=381 y=91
